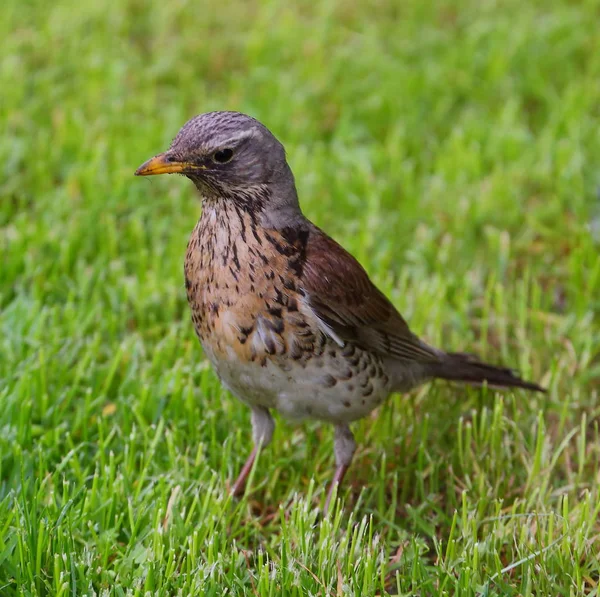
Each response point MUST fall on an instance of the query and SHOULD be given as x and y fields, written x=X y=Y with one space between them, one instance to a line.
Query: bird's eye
x=223 y=156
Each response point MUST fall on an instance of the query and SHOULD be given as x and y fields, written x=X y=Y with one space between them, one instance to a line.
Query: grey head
x=230 y=157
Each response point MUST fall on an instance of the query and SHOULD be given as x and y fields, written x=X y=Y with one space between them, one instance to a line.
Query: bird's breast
x=259 y=332
x=243 y=290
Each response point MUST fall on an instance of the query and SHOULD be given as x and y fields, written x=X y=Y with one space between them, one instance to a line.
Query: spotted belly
x=343 y=384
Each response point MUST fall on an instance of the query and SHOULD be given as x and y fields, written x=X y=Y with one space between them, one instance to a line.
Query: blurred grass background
x=453 y=147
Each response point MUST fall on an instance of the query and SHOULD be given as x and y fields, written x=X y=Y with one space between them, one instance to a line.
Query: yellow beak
x=162 y=164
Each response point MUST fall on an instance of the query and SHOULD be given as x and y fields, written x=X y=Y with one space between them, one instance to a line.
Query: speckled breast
x=260 y=335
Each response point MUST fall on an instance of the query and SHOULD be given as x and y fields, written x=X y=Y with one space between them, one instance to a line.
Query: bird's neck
x=272 y=206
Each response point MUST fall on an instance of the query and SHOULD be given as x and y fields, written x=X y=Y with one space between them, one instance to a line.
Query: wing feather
x=342 y=296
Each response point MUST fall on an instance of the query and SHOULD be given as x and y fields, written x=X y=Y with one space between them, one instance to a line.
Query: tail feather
x=456 y=366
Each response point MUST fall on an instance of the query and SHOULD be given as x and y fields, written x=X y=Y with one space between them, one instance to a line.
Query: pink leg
x=345 y=446
x=240 y=482
x=340 y=471
x=262 y=431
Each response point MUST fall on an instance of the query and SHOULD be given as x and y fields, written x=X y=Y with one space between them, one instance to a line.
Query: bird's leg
x=238 y=487
x=262 y=432
x=344 y=446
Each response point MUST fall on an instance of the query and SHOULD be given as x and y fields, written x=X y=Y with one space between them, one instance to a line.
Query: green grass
x=452 y=147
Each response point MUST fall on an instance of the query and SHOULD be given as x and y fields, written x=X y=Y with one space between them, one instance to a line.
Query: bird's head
x=229 y=156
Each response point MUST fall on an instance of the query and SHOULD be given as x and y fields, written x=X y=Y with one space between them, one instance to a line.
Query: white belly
x=326 y=388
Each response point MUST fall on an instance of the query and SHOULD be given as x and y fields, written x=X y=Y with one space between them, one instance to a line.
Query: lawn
x=452 y=147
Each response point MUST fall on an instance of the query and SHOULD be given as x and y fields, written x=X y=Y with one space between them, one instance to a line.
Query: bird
x=289 y=320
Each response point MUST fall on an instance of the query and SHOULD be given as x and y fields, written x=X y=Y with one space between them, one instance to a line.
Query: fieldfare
x=288 y=318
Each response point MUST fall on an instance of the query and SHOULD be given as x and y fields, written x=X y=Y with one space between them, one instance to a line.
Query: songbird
x=288 y=318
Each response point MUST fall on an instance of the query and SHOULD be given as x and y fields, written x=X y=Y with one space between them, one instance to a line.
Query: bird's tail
x=457 y=366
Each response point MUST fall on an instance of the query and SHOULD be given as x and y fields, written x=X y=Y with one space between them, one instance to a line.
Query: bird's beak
x=163 y=163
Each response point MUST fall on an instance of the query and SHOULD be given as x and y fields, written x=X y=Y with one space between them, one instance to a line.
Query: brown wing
x=341 y=294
